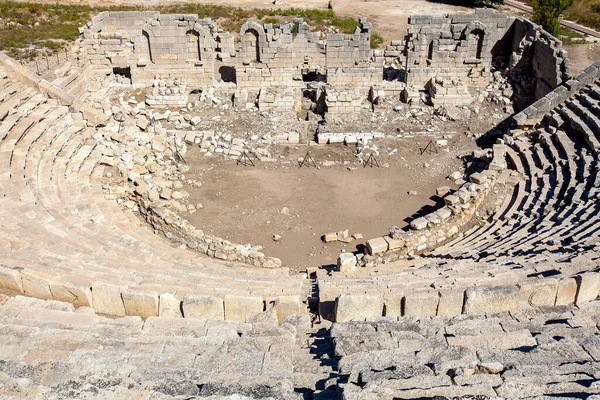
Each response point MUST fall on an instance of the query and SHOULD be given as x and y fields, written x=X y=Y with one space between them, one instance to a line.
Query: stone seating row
x=59 y=231
x=550 y=223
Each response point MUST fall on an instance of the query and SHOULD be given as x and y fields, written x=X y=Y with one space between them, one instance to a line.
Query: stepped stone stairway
x=50 y=350
x=59 y=237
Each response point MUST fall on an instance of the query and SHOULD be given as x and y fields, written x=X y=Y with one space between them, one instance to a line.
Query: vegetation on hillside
x=547 y=12
x=584 y=12
x=26 y=27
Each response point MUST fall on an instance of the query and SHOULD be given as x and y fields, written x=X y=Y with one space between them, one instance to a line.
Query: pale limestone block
x=237 y=308
x=142 y=304
x=588 y=286
x=169 y=306
x=392 y=303
x=78 y=295
x=10 y=279
x=566 y=292
x=107 y=300
x=357 y=307
x=451 y=303
x=34 y=285
x=490 y=299
x=421 y=304
x=537 y=293
x=209 y=307
x=377 y=246
x=346 y=262
x=285 y=306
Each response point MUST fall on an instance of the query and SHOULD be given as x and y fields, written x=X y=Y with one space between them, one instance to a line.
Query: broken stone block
x=452 y=200
x=329 y=237
x=346 y=262
x=169 y=306
x=393 y=244
x=357 y=307
x=418 y=223
x=478 y=178
x=377 y=246
x=142 y=122
x=442 y=190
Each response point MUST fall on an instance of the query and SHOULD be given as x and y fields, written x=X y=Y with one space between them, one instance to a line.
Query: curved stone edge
x=475 y=300
x=443 y=224
x=535 y=113
x=119 y=301
x=179 y=230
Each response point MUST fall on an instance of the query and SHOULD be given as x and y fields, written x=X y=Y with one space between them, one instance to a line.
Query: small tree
x=546 y=13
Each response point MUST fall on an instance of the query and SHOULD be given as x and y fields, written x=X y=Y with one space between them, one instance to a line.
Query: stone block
x=346 y=262
x=490 y=299
x=357 y=307
x=237 y=308
x=452 y=200
x=392 y=304
x=286 y=306
x=377 y=246
x=418 y=223
x=566 y=292
x=421 y=304
x=394 y=244
x=588 y=286
x=141 y=304
x=169 y=306
x=10 y=279
x=78 y=295
x=209 y=307
x=107 y=300
x=451 y=303
x=35 y=285
x=537 y=293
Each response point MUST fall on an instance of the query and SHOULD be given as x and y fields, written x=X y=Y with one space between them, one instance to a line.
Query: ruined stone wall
x=465 y=46
x=537 y=62
x=453 y=46
x=444 y=55
x=277 y=56
x=534 y=114
x=152 y=46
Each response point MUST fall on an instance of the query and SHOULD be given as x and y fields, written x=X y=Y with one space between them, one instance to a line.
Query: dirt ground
x=252 y=204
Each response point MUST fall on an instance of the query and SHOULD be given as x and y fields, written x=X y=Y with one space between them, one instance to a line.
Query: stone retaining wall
x=441 y=225
x=120 y=301
x=483 y=299
x=535 y=113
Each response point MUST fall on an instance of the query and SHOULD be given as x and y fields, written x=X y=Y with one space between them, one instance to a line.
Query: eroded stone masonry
x=106 y=291
x=279 y=66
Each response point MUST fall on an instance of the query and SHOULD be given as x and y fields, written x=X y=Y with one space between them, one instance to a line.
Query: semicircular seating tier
x=59 y=237
x=539 y=249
